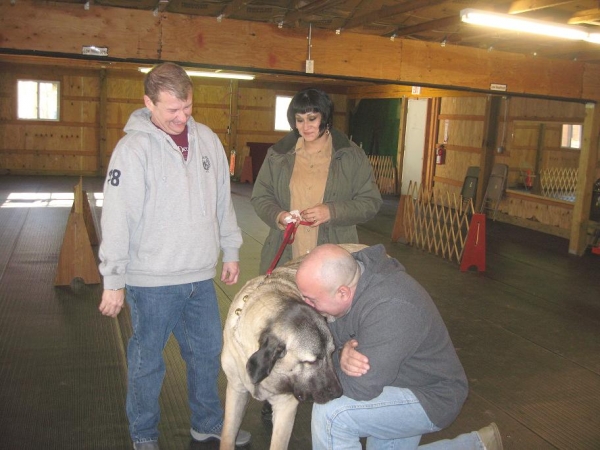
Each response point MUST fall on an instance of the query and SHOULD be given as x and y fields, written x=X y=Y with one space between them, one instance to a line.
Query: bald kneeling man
x=399 y=371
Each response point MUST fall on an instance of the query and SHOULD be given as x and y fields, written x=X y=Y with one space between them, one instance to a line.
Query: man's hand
x=352 y=362
x=112 y=302
x=230 y=273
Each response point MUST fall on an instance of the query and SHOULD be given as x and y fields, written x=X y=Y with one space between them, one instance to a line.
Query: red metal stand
x=474 y=253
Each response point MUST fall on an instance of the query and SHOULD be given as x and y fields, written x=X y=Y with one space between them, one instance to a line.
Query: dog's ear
x=261 y=363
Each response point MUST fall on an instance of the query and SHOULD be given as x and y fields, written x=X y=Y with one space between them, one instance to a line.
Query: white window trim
x=281 y=123
x=38 y=118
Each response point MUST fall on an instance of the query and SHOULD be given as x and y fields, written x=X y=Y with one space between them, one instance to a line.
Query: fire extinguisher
x=528 y=179
x=232 y=162
x=440 y=154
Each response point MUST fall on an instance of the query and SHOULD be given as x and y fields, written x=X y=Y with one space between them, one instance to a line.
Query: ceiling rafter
x=310 y=8
x=427 y=26
x=389 y=11
x=521 y=6
x=588 y=16
x=435 y=21
x=233 y=7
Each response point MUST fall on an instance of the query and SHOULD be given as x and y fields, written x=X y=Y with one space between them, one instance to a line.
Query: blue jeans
x=395 y=420
x=189 y=311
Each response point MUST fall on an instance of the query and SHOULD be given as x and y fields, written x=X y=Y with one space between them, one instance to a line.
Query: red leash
x=288 y=238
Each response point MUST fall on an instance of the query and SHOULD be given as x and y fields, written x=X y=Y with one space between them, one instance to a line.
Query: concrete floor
x=527 y=332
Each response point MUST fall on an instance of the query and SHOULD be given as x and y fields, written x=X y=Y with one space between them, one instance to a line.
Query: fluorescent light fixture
x=199 y=73
x=516 y=23
x=594 y=38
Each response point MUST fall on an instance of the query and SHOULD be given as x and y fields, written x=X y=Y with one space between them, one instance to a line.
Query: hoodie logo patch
x=206 y=163
x=114 y=177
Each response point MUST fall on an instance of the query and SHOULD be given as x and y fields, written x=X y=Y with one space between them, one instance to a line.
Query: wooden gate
x=436 y=221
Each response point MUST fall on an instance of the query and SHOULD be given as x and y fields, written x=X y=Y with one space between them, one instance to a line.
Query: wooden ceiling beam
x=587 y=16
x=389 y=11
x=521 y=6
x=399 y=91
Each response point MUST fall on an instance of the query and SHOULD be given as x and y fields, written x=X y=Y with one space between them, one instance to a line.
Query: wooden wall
x=63 y=28
x=256 y=116
x=69 y=146
x=532 y=136
x=530 y=139
x=95 y=104
x=460 y=127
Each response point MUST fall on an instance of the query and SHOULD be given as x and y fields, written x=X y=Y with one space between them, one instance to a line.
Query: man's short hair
x=167 y=77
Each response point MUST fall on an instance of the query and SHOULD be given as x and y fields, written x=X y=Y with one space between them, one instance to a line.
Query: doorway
x=414 y=143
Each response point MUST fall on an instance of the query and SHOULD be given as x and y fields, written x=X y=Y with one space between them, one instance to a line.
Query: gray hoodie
x=400 y=330
x=165 y=220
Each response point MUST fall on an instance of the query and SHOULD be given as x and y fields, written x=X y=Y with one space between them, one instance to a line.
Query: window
x=571 y=136
x=281 y=106
x=38 y=100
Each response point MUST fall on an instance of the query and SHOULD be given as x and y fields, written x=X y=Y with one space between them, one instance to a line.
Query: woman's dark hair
x=311 y=100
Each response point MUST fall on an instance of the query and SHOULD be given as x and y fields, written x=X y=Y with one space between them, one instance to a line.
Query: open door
x=414 y=143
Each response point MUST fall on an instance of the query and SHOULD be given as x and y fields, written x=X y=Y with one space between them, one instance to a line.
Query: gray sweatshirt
x=165 y=220
x=400 y=330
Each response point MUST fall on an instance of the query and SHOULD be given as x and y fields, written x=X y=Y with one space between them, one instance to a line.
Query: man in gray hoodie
x=399 y=371
x=167 y=216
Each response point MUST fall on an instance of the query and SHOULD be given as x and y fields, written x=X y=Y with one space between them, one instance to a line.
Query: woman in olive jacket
x=318 y=171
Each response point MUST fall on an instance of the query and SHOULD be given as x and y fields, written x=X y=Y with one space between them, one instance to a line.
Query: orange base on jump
x=474 y=253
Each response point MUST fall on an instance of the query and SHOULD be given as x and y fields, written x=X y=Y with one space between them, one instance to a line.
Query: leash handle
x=288 y=238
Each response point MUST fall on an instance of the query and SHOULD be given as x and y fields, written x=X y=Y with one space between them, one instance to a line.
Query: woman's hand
x=286 y=217
x=316 y=215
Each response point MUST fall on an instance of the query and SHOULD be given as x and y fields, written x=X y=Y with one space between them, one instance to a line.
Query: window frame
x=275 y=123
x=569 y=136
x=38 y=100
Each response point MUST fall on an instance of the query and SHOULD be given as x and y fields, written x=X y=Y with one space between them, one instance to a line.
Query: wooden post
x=234 y=115
x=103 y=130
x=401 y=143
x=76 y=258
x=434 y=106
x=488 y=147
x=588 y=159
x=539 y=154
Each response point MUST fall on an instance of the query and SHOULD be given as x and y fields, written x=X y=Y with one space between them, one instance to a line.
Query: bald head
x=327 y=279
x=329 y=265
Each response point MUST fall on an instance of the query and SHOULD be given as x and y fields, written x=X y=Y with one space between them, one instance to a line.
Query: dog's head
x=295 y=355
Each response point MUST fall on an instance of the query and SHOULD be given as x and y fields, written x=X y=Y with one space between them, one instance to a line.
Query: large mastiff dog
x=276 y=348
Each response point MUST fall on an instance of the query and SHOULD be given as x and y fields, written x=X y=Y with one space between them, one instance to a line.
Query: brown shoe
x=490 y=436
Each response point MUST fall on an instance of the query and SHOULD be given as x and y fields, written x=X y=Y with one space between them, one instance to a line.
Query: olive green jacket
x=351 y=194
